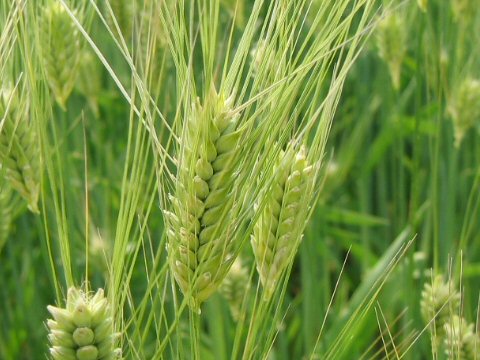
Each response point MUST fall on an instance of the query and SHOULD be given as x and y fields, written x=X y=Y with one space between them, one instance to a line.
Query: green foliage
x=170 y=148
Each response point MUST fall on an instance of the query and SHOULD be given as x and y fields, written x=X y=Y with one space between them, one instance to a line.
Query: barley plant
x=239 y=179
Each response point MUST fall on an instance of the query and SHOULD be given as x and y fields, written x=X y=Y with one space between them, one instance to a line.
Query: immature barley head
x=464 y=107
x=83 y=330
x=423 y=5
x=392 y=44
x=19 y=150
x=279 y=228
x=440 y=302
x=235 y=287
x=60 y=50
x=461 y=341
x=200 y=230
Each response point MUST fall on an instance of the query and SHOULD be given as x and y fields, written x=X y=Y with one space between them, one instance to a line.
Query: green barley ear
x=440 y=301
x=19 y=151
x=392 y=44
x=89 y=82
x=200 y=233
x=235 y=286
x=83 y=330
x=464 y=107
x=423 y=5
x=461 y=341
x=278 y=230
x=60 y=49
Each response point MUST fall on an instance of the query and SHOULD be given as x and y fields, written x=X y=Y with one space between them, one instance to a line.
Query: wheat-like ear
x=461 y=341
x=279 y=228
x=60 y=50
x=83 y=330
x=89 y=82
x=392 y=44
x=464 y=107
x=440 y=301
x=235 y=287
x=200 y=232
x=19 y=150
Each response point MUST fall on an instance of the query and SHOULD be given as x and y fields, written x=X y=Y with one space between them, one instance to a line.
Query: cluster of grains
x=200 y=231
x=235 y=287
x=423 y=5
x=440 y=301
x=461 y=340
x=83 y=330
x=278 y=230
x=60 y=49
x=19 y=152
x=89 y=82
x=464 y=107
x=392 y=44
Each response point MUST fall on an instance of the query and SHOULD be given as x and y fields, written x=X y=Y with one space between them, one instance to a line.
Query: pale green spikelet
x=200 y=232
x=392 y=44
x=89 y=82
x=6 y=215
x=423 y=5
x=461 y=341
x=60 y=50
x=464 y=107
x=19 y=149
x=278 y=231
x=235 y=286
x=83 y=330
x=440 y=301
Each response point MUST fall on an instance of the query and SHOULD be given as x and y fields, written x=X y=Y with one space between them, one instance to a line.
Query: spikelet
x=89 y=82
x=461 y=341
x=60 y=50
x=235 y=286
x=423 y=5
x=83 y=330
x=464 y=107
x=440 y=301
x=6 y=215
x=200 y=232
x=277 y=232
x=392 y=44
x=19 y=152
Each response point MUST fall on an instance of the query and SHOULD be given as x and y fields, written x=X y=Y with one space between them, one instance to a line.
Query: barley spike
x=200 y=232
x=278 y=230
x=60 y=50
x=83 y=330
x=19 y=152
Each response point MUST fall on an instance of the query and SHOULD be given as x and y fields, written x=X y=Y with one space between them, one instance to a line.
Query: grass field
x=239 y=179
